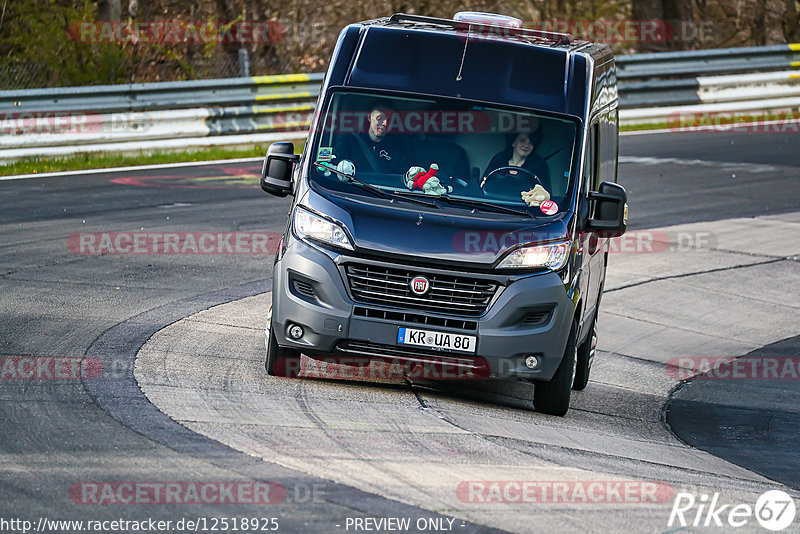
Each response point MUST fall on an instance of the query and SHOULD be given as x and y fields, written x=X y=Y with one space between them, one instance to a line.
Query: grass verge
x=643 y=127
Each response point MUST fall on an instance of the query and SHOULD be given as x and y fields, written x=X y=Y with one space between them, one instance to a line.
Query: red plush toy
x=421 y=178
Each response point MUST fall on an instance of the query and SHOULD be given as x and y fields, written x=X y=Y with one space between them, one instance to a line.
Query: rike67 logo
x=774 y=510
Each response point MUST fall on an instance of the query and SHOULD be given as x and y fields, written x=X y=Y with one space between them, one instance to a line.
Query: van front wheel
x=552 y=396
x=281 y=361
x=586 y=352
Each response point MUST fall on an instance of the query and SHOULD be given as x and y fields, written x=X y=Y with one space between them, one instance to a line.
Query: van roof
x=494 y=31
x=468 y=60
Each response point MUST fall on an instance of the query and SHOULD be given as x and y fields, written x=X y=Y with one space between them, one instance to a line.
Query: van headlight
x=552 y=256
x=309 y=226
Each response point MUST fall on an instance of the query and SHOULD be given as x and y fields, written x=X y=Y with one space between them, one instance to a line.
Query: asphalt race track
x=129 y=372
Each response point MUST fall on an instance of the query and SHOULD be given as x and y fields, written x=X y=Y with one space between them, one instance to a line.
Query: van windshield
x=438 y=148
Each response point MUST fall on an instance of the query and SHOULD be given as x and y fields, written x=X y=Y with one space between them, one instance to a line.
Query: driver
x=377 y=149
x=520 y=154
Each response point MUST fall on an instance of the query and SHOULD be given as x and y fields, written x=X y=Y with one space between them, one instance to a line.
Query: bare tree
x=227 y=12
x=791 y=21
x=109 y=10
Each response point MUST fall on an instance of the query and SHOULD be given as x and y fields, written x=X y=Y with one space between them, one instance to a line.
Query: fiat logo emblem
x=420 y=285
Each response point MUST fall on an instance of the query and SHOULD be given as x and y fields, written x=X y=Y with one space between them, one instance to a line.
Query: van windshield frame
x=392 y=141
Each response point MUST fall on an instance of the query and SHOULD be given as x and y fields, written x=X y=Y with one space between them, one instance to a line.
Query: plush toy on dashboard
x=535 y=196
x=418 y=178
x=346 y=166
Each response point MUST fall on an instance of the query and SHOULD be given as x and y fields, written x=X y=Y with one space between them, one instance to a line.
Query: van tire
x=552 y=396
x=585 y=358
x=281 y=361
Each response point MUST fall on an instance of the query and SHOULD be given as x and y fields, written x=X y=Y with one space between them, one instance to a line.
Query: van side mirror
x=276 y=174
x=610 y=210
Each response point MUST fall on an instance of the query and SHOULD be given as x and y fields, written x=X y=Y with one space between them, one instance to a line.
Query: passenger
x=378 y=150
x=520 y=154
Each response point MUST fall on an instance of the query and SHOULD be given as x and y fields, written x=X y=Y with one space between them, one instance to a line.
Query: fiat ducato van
x=452 y=206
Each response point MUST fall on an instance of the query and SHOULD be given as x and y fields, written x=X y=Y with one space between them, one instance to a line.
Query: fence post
x=244 y=63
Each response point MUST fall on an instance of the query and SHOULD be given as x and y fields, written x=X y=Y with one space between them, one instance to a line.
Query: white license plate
x=437 y=340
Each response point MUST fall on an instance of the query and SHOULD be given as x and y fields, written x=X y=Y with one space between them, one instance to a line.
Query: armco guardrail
x=657 y=87
x=155 y=116
x=165 y=95
x=708 y=62
x=261 y=109
x=740 y=93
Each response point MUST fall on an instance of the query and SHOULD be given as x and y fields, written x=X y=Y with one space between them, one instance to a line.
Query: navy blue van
x=452 y=206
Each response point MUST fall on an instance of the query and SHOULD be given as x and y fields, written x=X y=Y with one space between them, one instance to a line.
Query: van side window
x=607 y=148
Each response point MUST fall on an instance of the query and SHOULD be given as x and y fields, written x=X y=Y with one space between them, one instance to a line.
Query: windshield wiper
x=369 y=187
x=467 y=202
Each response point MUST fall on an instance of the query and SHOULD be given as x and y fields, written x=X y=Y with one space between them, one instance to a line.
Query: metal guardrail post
x=244 y=62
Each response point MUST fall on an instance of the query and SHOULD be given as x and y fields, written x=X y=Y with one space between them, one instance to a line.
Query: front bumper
x=336 y=325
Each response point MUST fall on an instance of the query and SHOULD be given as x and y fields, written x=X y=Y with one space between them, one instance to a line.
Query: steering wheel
x=512 y=186
x=513 y=168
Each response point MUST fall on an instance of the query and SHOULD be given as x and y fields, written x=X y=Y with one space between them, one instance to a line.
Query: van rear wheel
x=552 y=396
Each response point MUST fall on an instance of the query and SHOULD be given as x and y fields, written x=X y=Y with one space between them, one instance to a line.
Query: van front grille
x=418 y=318
x=449 y=294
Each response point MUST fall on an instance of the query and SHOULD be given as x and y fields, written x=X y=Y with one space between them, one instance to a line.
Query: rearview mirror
x=276 y=174
x=610 y=210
